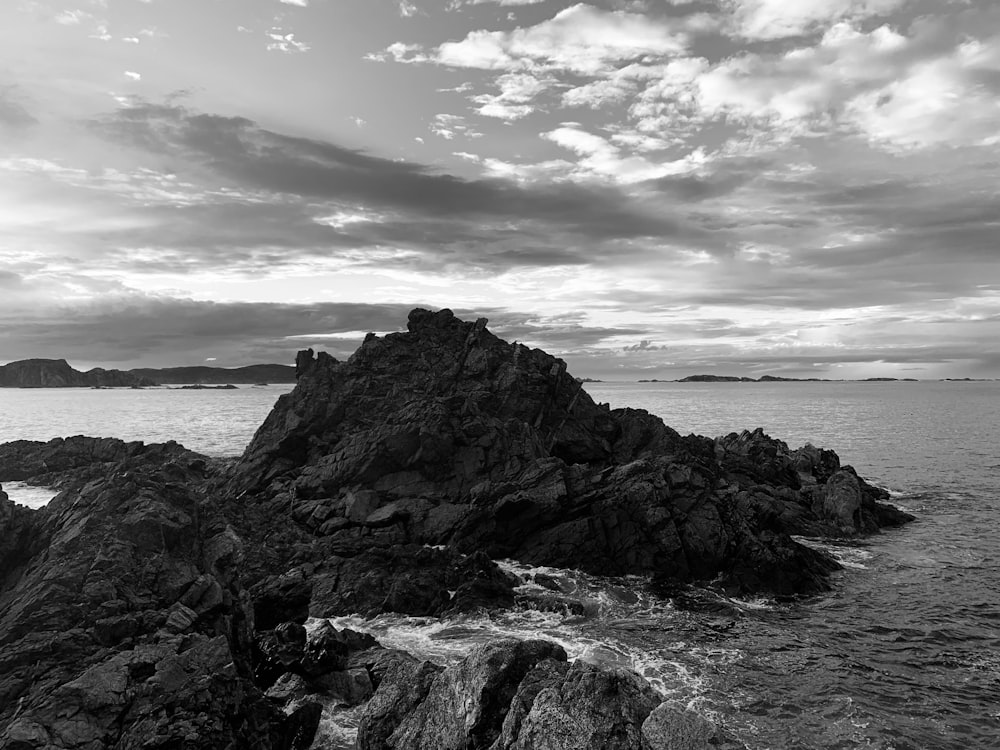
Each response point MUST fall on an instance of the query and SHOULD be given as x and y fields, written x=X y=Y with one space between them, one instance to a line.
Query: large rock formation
x=158 y=600
x=446 y=435
x=57 y=373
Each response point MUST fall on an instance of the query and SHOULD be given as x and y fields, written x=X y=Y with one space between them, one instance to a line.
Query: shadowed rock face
x=447 y=435
x=123 y=622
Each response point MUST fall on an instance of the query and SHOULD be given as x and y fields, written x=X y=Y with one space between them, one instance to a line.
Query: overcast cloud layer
x=648 y=189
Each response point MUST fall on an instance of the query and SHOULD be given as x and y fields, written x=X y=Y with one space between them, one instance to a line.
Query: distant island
x=778 y=379
x=58 y=373
x=201 y=375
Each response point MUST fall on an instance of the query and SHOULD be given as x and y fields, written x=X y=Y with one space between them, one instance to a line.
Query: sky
x=649 y=189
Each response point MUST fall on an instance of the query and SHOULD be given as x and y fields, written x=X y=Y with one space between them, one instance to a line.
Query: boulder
x=670 y=728
x=580 y=707
x=464 y=705
x=403 y=685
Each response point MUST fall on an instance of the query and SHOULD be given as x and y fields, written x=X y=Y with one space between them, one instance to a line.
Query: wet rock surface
x=161 y=599
x=512 y=694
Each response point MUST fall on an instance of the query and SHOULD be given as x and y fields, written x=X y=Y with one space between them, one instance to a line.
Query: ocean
x=903 y=654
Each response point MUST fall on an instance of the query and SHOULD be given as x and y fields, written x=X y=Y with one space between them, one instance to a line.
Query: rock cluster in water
x=159 y=600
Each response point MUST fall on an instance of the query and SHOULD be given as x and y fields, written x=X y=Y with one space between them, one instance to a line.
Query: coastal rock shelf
x=158 y=600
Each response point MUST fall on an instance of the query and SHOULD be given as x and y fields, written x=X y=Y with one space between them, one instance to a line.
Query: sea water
x=903 y=654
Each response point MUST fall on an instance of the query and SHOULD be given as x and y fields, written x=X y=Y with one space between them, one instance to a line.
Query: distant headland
x=58 y=373
x=777 y=379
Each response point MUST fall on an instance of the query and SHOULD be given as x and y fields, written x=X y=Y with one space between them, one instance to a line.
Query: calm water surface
x=904 y=654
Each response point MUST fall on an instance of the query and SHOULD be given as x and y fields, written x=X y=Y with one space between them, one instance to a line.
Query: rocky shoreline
x=158 y=601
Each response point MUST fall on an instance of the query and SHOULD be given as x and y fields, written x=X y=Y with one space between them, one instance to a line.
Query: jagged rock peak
x=446 y=435
x=420 y=319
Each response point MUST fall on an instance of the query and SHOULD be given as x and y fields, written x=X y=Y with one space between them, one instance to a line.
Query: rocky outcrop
x=523 y=695
x=123 y=622
x=57 y=373
x=446 y=435
x=59 y=460
x=160 y=600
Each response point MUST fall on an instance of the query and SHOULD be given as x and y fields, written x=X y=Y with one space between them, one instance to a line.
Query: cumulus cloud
x=448 y=126
x=515 y=100
x=285 y=42
x=598 y=156
x=896 y=89
x=582 y=39
x=773 y=19
x=72 y=17
x=456 y=4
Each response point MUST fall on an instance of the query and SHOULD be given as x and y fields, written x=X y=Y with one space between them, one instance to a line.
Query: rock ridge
x=447 y=435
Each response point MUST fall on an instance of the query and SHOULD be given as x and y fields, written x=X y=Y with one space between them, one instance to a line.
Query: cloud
x=896 y=90
x=774 y=19
x=161 y=331
x=164 y=331
x=299 y=3
x=582 y=39
x=600 y=157
x=448 y=126
x=517 y=92
x=240 y=152
x=285 y=42
x=13 y=114
x=72 y=17
x=456 y=4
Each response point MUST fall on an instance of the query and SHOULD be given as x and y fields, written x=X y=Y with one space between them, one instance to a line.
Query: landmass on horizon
x=58 y=373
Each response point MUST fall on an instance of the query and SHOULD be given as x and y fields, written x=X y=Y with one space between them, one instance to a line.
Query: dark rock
x=582 y=707
x=446 y=435
x=350 y=687
x=466 y=704
x=325 y=651
x=403 y=685
x=523 y=695
x=289 y=687
x=123 y=622
x=283 y=598
x=301 y=725
x=279 y=651
x=409 y=579
x=670 y=728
